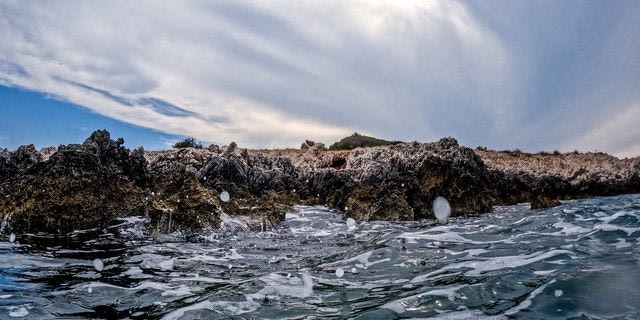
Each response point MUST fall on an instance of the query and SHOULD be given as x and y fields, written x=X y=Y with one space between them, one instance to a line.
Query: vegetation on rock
x=357 y=140
x=188 y=142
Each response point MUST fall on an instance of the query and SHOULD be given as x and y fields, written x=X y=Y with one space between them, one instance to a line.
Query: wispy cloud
x=275 y=73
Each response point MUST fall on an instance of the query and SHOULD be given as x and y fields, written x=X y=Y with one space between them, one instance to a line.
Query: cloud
x=618 y=132
x=273 y=73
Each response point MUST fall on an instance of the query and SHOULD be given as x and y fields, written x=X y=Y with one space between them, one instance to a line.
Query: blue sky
x=534 y=75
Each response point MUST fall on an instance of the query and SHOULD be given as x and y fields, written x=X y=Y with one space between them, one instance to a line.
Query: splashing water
x=581 y=259
x=307 y=284
x=441 y=209
x=224 y=196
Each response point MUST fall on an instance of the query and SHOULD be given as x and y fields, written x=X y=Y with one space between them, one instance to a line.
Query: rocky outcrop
x=86 y=185
x=543 y=179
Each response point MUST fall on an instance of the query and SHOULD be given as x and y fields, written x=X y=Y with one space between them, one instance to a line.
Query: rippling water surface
x=579 y=260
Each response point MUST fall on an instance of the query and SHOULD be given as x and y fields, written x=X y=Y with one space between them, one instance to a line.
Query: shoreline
x=78 y=186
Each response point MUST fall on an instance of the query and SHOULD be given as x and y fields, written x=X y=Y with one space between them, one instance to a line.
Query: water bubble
x=558 y=293
x=90 y=290
x=224 y=196
x=12 y=237
x=307 y=284
x=230 y=266
x=441 y=208
x=351 y=223
x=98 y=264
x=339 y=272
x=354 y=270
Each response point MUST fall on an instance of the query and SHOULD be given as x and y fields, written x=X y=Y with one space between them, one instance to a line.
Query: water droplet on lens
x=224 y=196
x=351 y=223
x=441 y=209
x=12 y=238
x=98 y=264
x=339 y=272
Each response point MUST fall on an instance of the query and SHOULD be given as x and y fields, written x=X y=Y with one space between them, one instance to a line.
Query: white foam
x=307 y=284
x=400 y=305
x=166 y=265
x=222 y=307
x=495 y=263
x=570 y=229
x=18 y=312
x=339 y=272
x=527 y=302
x=12 y=237
x=611 y=227
x=544 y=272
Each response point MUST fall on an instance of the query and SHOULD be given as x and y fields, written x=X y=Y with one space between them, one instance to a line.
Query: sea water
x=580 y=259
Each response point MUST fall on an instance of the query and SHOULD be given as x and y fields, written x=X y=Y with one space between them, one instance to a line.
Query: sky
x=533 y=75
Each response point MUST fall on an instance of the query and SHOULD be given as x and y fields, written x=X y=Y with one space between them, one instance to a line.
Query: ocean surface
x=579 y=260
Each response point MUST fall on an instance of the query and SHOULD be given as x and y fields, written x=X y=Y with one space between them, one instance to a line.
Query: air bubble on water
x=12 y=237
x=90 y=290
x=558 y=293
x=98 y=264
x=351 y=223
x=230 y=266
x=224 y=196
x=354 y=270
x=339 y=272
x=441 y=209
x=307 y=284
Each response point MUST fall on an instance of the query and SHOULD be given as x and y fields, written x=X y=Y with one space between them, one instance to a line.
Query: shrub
x=357 y=140
x=188 y=142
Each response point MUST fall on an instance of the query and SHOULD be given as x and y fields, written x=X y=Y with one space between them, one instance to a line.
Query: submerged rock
x=81 y=186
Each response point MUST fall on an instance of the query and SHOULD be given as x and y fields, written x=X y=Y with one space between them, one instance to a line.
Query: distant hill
x=357 y=140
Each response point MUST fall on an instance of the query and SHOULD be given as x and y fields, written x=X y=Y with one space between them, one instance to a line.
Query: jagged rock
x=47 y=152
x=307 y=144
x=85 y=185
x=317 y=148
x=79 y=187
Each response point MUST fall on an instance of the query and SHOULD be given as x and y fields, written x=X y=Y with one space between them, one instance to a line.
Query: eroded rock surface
x=82 y=186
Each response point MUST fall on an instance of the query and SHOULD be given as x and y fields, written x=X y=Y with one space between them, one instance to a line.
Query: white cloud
x=617 y=132
x=273 y=73
x=261 y=73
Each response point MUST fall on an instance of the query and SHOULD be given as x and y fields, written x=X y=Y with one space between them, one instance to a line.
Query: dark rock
x=81 y=186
